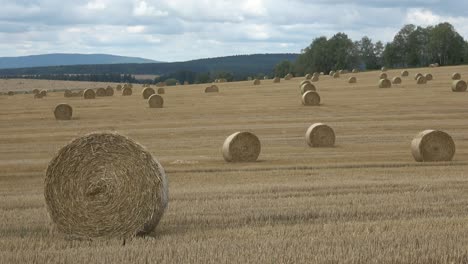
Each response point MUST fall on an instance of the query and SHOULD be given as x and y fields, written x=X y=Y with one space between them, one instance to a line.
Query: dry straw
x=241 y=147
x=256 y=82
x=63 y=112
x=308 y=76
x=336 y=75
x=101 y=92
x=429 y=77
x=161 y=91
x=105 y=185
x=459 y=86
x=404 y=73
x=352 y=79
x=89 y=94
x=385 y=83
x=433 y=145
x=127 y=91
x=383 y=75
x=109 y=91
x=421 y=80
x=396 y=80
x=43 y=93
x=68 y=93
x=417 y=76
x=288 y=76
x=315 y=78
x=212 y=89
x=155 y=101
x=320 y=135
x=147 y=92
x=311 y=98
x=308 y=86
x=456 y=76
x=304 y=81
x=276 y=80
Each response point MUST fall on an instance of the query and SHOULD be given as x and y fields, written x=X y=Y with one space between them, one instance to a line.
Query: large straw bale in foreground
x=433 y=145
x=459 y=86
x=241 y=147
x=311 y=98
x=320 y=135
x=105 y=185
x=155 y=101
x=63 y=112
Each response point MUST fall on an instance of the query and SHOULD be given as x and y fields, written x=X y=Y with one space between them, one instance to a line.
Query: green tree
x=283 y=68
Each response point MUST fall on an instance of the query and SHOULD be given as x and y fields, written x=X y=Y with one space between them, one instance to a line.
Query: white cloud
x=96 y=5
x=142 y=8
x=423 y=17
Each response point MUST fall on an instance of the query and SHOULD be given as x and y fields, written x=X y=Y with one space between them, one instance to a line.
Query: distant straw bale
x=147 y=92
x=459 y=86
x=417 y=75
x=35 y=91
x=383 y=75
x=433 y=145
x=288 y=76
x=384 y=69
x=320 y=135
x=104 y=185
x=421 y=80
x=63 y=112
x=241 y=147
x=212 y=89
x=308 y=86
x=352 y=79
x=127 y=91
x=385 y=83
x=308 y=76
x=336 y=75
x=276 y=80
x=68 y=93
x=161 y=91
x=155 y=101
x=89 y=94
x=109 y=91
x=256 y=82
x=101 y=92
x=428 y=77
x=311 y=98
x=43 y=93
x=404 y=73
x=396 y=80
x=119 y=88
x=456 y=76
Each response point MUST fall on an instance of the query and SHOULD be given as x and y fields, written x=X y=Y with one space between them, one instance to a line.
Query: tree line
x=412 y=46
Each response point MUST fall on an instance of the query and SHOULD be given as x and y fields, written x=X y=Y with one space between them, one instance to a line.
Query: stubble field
x=364 y=201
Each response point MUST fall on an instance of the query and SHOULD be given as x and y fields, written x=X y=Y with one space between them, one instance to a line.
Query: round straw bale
x=43 y=93
x=456 y=76
x=303 y=82
x=11 y=93
x=276 y=80
x=68 y=93
x=404 y=73
x=37 y=96
x=421 y=80
x=385 y=83
x=155 y=101
x=35 y=91
x=308 y=86
x=428 y=77
x=80 y=93
x=288 y=76
x=311 y=98
x=147 y=92
x=63 y=112
x=119 y=87
x=314 y=79
x=322 y=73
x=417 y=76
x=436 y=64
x=212 y=89
x=308 y=76
x=316 y=74
x=383 y=75
x=384 y=69
x=331 y=73
x=433 y=145
x=241 y=147
x=256 y=82
x=336 y=75
x=89 y=94
x=459 y=86
x=161 y=91
x=341 y=72
x=320 y=135
x=396 y=80
x=352 y=79
x=105 y=185
x=101 y=92
x=355 y=71
x=127 y=91
x=109 y=91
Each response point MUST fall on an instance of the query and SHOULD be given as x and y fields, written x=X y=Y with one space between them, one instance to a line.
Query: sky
x=179 y=30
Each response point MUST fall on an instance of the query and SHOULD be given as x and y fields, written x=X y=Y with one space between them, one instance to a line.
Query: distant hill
x=239 y=65
x=58 y=59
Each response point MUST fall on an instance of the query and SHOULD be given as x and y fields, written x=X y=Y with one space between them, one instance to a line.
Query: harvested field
x=365 y=200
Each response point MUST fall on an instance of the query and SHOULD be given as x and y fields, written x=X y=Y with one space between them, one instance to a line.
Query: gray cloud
x=175 y=30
